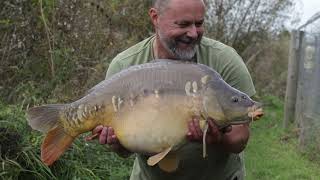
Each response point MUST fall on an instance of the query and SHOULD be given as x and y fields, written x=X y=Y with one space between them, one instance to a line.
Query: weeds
x=20 y=150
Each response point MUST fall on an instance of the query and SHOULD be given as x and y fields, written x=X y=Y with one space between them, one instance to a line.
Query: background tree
x=245 y=23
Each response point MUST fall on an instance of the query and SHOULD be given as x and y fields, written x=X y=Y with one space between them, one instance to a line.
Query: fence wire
x=308 y=90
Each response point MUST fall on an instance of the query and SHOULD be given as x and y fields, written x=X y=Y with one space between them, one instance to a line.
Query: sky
x=307 y=8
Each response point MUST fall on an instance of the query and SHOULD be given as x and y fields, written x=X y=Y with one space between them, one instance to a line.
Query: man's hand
x=107 y=136
x=232 y=138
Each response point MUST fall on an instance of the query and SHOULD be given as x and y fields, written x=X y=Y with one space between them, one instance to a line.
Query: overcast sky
x=308 y=8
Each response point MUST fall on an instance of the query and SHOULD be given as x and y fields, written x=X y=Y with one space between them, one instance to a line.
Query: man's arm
x=232 y=139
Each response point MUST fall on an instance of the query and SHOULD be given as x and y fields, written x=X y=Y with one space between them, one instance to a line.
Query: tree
x=243 y=24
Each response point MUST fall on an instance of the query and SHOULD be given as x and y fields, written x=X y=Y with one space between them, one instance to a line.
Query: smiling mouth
x=187 y=44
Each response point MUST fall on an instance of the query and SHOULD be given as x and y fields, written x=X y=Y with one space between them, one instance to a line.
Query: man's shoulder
x=227 y=62
x=140 y=49
x=136 y=54
x=212 y=44
x=216 y=51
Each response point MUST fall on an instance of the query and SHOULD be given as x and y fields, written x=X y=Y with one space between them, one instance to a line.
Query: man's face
x=180 y=27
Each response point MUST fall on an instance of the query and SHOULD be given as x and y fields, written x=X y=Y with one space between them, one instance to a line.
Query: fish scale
x=148 y=106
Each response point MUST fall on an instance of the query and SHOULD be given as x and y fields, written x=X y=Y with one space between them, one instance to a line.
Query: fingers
x=111 y=137
x=195 y=132
x=91 y=137
x=95 y=133
x=114 y=144
x=215 y=134
x=103 y=135
x=97 y=129
x=107 y=136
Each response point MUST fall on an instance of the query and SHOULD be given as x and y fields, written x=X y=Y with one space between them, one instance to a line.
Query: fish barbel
x=148 y=106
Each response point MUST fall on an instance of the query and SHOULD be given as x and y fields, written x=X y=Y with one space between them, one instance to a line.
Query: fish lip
x=257 y=105
x=256 y=111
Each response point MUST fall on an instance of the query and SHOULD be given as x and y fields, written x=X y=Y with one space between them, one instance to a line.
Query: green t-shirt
x=219 y=164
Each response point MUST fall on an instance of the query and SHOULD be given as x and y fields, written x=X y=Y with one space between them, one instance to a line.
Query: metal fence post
x=292 y=78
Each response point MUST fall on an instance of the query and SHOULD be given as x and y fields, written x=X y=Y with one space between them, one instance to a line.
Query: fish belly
x=153 y=124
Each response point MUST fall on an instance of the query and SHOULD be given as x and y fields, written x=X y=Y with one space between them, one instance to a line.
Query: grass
x=20 y=150
x=273 y=153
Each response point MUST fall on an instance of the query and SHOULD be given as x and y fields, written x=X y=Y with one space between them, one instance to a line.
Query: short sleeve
x=114 y=67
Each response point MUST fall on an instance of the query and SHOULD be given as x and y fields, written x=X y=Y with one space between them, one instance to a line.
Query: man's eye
x=183 y=24
x=199 y=24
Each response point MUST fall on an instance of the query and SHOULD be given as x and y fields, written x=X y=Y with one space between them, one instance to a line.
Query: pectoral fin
x=170 y=163
x=153 y=160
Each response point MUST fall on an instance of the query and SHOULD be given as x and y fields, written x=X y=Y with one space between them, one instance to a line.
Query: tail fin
x=43 y=118
x=55 y=144
x=46 y=119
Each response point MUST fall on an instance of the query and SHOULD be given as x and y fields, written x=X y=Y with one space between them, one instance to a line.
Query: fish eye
x=234 y=99
x=243 y=97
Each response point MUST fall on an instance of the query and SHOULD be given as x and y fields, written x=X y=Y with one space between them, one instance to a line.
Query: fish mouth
x=256 y=111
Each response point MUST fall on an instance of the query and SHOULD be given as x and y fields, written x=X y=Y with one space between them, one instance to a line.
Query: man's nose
x=192 y=31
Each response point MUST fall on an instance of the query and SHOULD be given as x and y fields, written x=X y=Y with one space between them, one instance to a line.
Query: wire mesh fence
x=308 y=92
x=306 y=54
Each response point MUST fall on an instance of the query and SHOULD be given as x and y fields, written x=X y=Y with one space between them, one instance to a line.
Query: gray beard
x=179 y=54
x=185 y=54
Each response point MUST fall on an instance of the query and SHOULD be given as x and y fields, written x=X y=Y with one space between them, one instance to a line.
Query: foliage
x=20 y=150
x=76 y=40
x=19 y=158
x=269 y=65
x=244 y=23
x=255 y=28
x=51 y=48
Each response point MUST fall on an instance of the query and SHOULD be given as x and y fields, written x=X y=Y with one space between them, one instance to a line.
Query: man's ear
x=153 y=13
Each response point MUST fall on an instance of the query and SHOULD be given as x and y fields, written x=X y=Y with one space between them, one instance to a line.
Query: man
x=178 y=35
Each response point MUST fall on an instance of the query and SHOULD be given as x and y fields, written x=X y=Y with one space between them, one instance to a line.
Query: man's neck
x=159 y=51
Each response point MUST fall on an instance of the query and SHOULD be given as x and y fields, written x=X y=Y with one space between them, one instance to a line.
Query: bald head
x=161 y=5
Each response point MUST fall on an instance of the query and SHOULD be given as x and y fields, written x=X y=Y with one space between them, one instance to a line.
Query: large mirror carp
x=148 y=106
